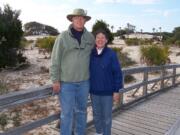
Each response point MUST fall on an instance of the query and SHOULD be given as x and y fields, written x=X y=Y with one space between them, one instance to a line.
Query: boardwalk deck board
x=152 y=117
x=144 y=122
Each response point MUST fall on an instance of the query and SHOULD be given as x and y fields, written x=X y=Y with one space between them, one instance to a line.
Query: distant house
x=141 y=36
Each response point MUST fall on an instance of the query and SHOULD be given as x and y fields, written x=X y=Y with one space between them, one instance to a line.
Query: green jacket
x=69 y=60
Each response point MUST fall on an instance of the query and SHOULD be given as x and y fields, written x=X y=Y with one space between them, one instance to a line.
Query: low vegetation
x=125 y=62
x=123 y=57
x=3 y=85
x=6 y=118
x=172 y=38
x=154 y=55
x=46 y=43
x=3 y=121
x=136 y=41
x=129 y=78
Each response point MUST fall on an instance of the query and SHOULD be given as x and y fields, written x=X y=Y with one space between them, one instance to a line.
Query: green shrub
x=46 y=43
x=168 y=42
x=136 y=41
x=154 y=55
x=3 y=85
x=132 y=41
x=129 y=78
x=16 y=119
x=178 y=54
x=24 y=42
x=177 y=43
x=145 y=41
x=123 y=57
x=3 y=120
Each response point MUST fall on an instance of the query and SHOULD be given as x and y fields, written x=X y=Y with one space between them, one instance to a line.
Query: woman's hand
x=116 y=98
x=56 y=87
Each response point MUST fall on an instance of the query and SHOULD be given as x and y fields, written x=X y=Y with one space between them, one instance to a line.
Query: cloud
x=134 y=2
x=153 y=11
x=164 y=13
x=144 y=2
x=109 y=1
x=170 y=12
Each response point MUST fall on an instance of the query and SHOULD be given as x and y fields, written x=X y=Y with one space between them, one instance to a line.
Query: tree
x=10 y=36
x=160 y=34
x=100 y=24
x=141 y=32
x=176 y=33
x=35 y=28
x=112 y=27
x=120 y=33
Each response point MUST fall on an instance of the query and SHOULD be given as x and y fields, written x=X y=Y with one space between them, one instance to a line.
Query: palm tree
x=119 y=32
x=160 y=34
x=160 y=29
x=141 y=32
x=112 y=27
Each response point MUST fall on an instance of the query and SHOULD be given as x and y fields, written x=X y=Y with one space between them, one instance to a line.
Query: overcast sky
x=144 y=14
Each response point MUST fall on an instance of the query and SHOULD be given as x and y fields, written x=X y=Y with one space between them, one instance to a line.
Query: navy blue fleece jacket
x=105 y=72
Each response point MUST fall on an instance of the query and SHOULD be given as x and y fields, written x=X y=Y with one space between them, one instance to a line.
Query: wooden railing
x=168 y=78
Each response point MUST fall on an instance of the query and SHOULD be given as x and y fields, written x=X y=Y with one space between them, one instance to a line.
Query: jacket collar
x=82 y=46
x=95 y=53
x=70 y=27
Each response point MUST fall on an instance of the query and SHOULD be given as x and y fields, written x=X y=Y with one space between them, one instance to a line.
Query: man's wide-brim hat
x=78 y=12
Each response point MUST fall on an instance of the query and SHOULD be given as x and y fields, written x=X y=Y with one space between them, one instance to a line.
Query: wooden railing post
x=121 y=99
x=174 y=77
x=145 y=79
x=121 y=94
x=162 y=76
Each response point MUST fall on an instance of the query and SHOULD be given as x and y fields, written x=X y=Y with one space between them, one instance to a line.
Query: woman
x=105 y=83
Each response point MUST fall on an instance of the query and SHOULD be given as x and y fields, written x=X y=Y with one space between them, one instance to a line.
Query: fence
x=166 y=78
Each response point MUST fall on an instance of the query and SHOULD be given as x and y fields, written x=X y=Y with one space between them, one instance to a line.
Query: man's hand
x=56 y=87
x=116 y=98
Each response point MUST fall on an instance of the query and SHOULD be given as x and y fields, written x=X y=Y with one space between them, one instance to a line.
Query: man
x=70 y=72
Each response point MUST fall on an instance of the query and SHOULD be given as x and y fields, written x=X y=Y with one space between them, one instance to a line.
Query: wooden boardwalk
x=155 y=116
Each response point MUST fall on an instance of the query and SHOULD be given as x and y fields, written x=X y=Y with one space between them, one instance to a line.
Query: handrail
x=14 y=99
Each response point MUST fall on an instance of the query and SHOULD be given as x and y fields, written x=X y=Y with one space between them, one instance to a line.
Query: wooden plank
x=134 y=129
x=163 y=107
x=162 y=111
x=114 y=131
x=143 y=120
x=155 y=105
x=170 y=103
x=152 y=116
x=154 y=126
